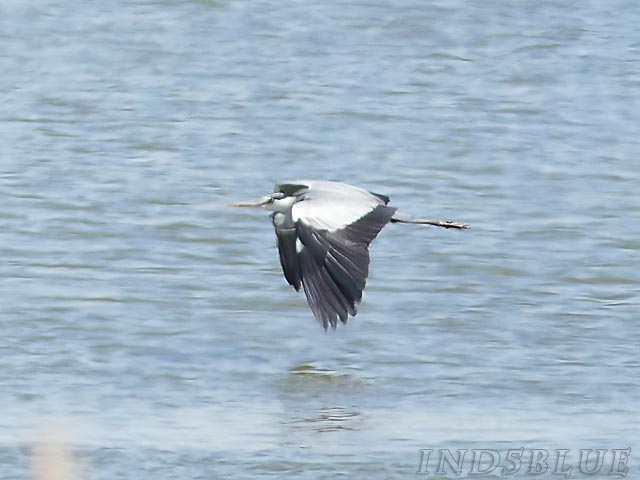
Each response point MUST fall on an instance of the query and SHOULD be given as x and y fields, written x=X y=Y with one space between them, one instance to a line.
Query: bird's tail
x=399 y=218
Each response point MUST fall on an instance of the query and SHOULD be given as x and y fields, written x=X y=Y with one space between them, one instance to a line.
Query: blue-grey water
x=149 y=325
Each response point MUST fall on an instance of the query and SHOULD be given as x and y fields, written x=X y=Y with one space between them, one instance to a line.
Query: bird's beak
x=256 y=204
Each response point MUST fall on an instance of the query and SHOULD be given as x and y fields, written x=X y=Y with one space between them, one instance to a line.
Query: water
x=150 y=326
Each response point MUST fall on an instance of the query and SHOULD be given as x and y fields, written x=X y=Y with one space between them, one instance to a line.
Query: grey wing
x=335 y=265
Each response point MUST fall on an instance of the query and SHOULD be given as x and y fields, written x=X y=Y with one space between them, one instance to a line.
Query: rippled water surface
x=150 y=324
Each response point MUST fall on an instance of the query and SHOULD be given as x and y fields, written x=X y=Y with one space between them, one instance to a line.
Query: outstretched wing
x=334 y=263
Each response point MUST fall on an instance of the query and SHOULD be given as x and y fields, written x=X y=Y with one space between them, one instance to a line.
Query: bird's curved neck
x=281 y=216
x=282 y=205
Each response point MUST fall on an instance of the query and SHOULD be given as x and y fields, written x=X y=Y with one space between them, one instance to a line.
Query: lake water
x=149 y=325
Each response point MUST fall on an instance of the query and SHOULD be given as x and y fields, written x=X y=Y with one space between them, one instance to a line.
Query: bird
x=323 y=230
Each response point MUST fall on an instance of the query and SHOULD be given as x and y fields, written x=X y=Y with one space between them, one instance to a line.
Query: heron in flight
x=324 y=230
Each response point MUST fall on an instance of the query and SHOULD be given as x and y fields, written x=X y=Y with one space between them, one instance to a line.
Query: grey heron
x=323 y=231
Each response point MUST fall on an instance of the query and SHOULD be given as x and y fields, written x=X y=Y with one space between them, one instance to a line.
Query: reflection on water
x=331 y=419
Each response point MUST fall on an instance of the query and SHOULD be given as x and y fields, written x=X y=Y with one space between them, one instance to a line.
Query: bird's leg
x=399 y=218
x=444 y=224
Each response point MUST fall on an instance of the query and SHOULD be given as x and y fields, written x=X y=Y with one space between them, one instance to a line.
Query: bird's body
x=324 y=229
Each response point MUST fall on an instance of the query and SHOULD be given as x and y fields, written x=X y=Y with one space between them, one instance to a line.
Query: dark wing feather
x=383 y=198
x=325 y=298
x=289 y=256
x=347 y=262
x=335 y=265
